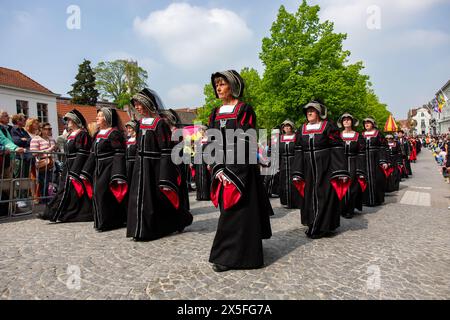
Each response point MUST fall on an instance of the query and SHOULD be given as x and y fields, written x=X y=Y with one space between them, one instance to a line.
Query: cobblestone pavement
x=398 y=251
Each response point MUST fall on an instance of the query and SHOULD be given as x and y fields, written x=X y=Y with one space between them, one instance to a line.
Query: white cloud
x=420 y=38
x=191 y=36
x=353 y=13
x=185 y=95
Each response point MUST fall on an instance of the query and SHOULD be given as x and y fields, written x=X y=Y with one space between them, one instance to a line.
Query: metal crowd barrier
x=28 y=181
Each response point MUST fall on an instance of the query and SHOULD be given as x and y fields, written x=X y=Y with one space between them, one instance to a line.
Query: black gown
x=319 y=163
x=288 y=194
x=395 y=169
x=202 y=177
x=185 y=171
x=105 y=177
x=272 y=179
x=130 y=157
x=405 y=149
x=245 y=208
x=356 y=166
x=152 y=212
x=375 y=150
x=72 y=203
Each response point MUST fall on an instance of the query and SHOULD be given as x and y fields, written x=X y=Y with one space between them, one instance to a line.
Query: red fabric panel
x=362 y=183
x=119 y=190
x=78 y=187
x=172 y=196
x=340 y=187
x=215 y=191
x=231 y=196
x=88 y=187
x=300 y=186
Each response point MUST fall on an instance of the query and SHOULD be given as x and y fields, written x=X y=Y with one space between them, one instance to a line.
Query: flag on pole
x=390 y=125
x=435 y=105
x=441 y=102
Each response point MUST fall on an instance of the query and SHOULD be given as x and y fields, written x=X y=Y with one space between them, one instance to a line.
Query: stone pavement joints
x=397 y=251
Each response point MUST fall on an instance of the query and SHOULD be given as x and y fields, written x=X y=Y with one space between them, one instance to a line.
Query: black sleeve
x=83 y=144
x=118 y=145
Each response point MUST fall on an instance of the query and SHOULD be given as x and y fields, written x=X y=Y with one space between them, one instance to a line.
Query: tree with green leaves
x=304 y=59
x=83 y=90
x=119 y=80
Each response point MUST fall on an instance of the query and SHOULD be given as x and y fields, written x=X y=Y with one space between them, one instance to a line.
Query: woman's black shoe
x=220 y=268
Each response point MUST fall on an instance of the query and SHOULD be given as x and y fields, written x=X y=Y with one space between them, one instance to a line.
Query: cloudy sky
x=404 y=44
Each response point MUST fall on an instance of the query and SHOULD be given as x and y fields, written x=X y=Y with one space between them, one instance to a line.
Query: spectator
x=44 y=162
x=7 y=142
x=22 y=163
x=32 y=128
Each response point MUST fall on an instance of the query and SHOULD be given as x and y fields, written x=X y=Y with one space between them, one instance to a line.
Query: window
x=42 y=112
x=22 y=107
x=422 y=115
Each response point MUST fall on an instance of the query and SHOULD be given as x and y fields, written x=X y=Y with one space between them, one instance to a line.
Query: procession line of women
x=135 y=184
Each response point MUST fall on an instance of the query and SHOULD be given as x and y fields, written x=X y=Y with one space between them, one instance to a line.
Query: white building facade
x=32 y=104
x=443 y=118
x=423 y=120
x=20 y=94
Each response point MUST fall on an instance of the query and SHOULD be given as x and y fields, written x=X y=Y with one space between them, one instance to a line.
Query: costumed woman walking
x=320 y=173
x=104 y=173
x=288 y=194
x=376 y=164
x=72 y=203
x=405 y=148
x=237 y=188
x=154 y=208
x=394 y=171
x=130 y=154
x=354 y=145
x=202 y=174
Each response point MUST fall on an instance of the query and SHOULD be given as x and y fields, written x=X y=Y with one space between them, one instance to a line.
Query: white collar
x=314 y=126
x=148 y=121
x=348 y=134
x=74 y=133
x=103 y=131
x=228 y=108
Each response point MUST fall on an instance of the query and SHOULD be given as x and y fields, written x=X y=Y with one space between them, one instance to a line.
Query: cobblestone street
x=398 y=251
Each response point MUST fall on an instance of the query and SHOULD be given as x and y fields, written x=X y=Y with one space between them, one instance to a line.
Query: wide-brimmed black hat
x=320 y=107
x=370 y=119
x=111 y=116
x=76 y=117
x=149 y=99
x=288 y=122
x=233 y=78
x=132 y=124
x=172 y=117
x=355 y=122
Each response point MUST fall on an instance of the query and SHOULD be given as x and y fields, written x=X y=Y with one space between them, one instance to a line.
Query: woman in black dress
x=237 y=187
x=288 y=194
x=356 y=165
x=376 y=164
x=104 y=173
x=394 y=171
x=154 y=207
x=130 y=154
x=320 y=173
x=202 y=174
x=72 y=203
